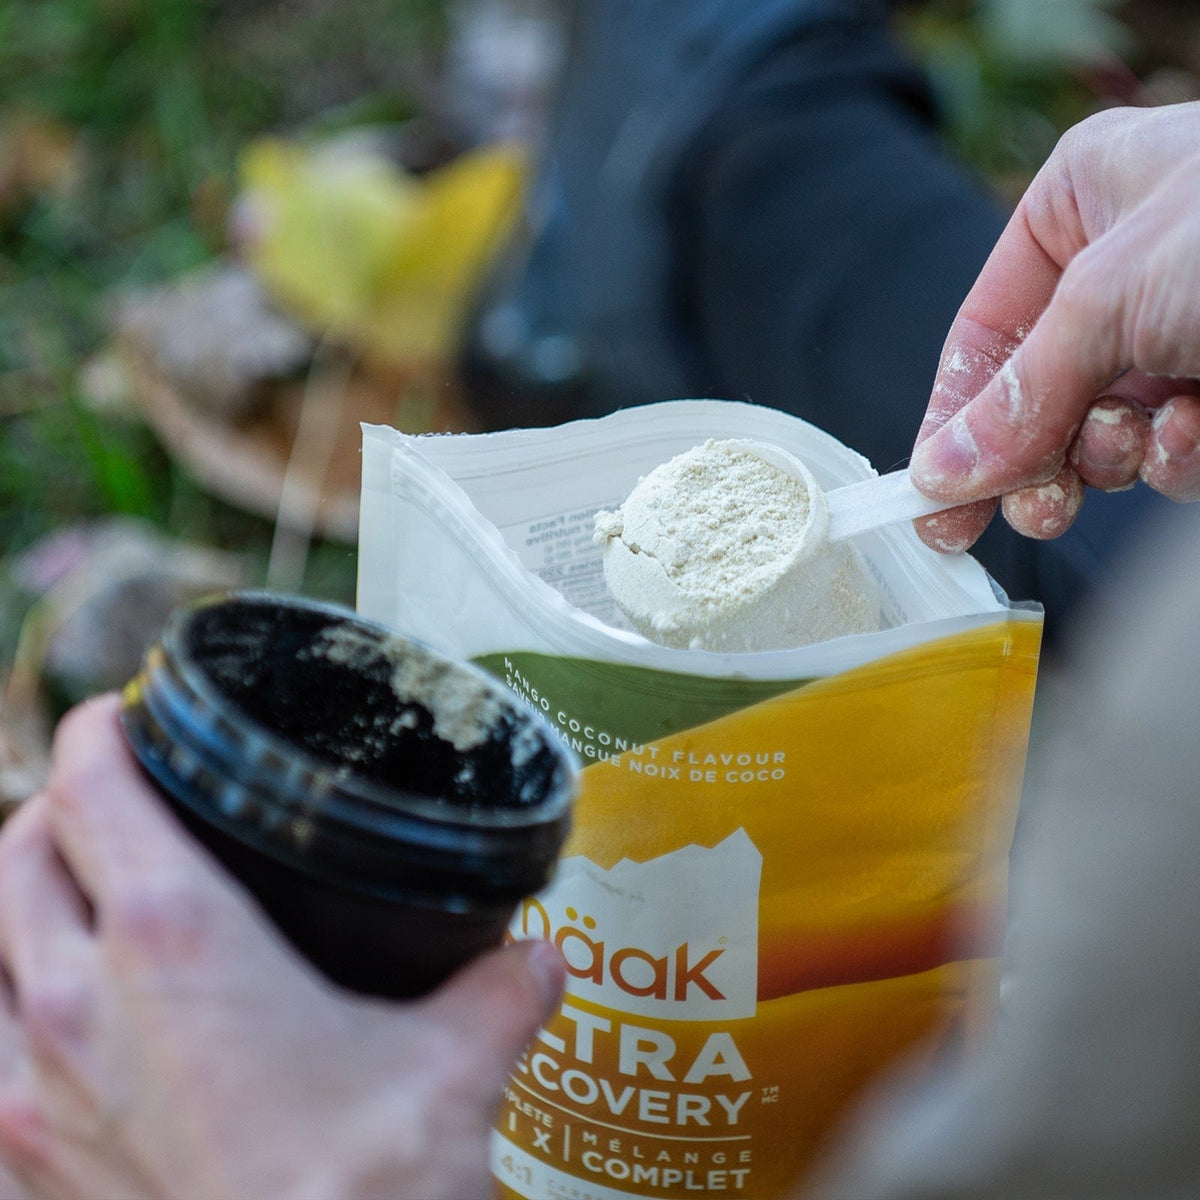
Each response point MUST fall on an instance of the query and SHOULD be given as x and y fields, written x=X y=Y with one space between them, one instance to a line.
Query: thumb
x=497 y=1003
x=1012 y=439
x=1016 y=432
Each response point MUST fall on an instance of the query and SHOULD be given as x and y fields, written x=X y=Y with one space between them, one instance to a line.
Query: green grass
x=1005 y=99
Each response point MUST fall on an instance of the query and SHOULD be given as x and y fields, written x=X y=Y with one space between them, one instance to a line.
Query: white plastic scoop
x=855 y=508
x=872 y=503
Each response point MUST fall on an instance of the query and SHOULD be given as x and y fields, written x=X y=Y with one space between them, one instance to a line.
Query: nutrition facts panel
x=561 y=551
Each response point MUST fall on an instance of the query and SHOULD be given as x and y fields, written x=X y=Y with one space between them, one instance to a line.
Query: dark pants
x=769 y=215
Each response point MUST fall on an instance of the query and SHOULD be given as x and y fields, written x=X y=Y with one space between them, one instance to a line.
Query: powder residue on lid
x=465 y=709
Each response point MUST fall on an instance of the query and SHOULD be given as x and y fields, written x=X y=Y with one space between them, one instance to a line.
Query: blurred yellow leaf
x=384 y=260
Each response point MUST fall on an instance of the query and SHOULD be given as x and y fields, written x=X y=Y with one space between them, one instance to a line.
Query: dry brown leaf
x=245 y=463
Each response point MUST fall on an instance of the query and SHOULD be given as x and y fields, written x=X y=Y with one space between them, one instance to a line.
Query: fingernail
x=546 y=967
x=1110 y=437
x=1177 y=445
x=1172 y=461
x=946 y=460
x=1103 y=456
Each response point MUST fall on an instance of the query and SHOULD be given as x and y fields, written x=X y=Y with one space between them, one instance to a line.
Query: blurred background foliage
x=121 y=126
x=1012 y=75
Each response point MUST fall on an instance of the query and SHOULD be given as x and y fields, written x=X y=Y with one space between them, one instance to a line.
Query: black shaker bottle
x=386 y=805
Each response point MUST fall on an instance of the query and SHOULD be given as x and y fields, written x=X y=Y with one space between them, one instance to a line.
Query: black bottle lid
x=362 y=759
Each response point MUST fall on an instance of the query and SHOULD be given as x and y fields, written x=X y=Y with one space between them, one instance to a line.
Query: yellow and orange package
x=787 y=869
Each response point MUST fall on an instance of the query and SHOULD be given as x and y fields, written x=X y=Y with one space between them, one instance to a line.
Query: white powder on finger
x=722 y=549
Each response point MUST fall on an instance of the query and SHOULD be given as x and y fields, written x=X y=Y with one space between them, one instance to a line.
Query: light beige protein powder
x=465 y=709
x=724 y=548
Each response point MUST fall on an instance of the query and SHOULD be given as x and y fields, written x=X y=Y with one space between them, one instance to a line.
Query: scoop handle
x=883 y=500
